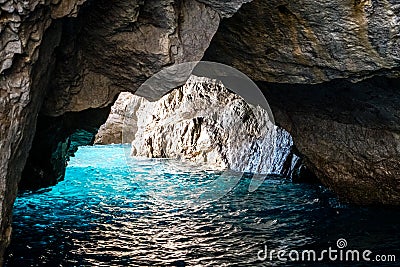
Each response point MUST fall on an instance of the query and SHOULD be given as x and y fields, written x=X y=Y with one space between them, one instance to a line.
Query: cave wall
x=107 y=48
x=110 y=47
x=54 y=143
x=27 y=41
x=115 y=46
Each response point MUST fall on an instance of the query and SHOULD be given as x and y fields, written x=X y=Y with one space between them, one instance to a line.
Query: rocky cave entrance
x=79 y=128
x=204 y=104
x=88 y=41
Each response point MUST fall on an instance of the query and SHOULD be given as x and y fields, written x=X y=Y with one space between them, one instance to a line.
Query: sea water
x=106 y=213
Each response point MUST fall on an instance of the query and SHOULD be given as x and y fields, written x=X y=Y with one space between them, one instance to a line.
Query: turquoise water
x=103 y=214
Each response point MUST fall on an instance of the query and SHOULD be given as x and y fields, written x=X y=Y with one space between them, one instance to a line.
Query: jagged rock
x=27 y=42
x=98 y=58
x=334 y=125
x=202 y=122
x=225 y=7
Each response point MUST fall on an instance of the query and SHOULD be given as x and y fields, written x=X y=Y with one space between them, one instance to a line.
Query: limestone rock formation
x=100 y=57
x=27 y=41
x=202 y=122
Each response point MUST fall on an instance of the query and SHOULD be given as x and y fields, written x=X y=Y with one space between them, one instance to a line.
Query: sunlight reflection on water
x=100 y=216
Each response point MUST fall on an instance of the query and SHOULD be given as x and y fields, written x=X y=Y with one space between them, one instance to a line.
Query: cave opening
x=97 y=220
x=98 y=198
x=56 y=139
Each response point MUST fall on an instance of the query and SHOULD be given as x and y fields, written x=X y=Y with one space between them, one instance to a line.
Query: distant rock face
x=202 y=122
x=111 y=131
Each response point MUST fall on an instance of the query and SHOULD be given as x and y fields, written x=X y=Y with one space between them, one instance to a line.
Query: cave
x=330 y=73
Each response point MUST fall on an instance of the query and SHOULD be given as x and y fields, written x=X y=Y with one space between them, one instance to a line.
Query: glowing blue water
x=99 y=216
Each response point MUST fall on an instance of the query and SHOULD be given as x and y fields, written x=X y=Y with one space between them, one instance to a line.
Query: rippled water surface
x=100 y=216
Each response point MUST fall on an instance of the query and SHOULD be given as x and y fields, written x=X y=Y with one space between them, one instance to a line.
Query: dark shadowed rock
x=117 y=45
x=225 y=7
x=348 y=133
